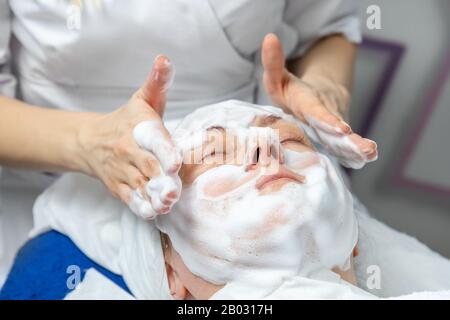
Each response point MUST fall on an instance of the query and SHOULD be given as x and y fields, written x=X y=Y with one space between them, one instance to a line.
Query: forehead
x=263 y=120
x=228 y=115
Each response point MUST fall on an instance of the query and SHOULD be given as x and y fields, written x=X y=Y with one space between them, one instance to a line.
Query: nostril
x=256 y=156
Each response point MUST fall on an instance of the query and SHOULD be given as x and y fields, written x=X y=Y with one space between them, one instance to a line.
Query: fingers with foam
x=342 y=146
x=163 y=190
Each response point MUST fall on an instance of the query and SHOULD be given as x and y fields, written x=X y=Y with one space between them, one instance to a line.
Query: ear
x=176 y=286
x=153 y=91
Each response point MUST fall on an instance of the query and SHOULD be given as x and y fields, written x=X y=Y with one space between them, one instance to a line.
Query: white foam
x=241 y=236
x=340 y=146
x=164 y=190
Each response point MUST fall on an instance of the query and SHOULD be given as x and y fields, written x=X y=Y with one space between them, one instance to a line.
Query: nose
x=263 y=149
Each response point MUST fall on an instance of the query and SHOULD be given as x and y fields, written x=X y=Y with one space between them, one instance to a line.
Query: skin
x=101 y=145
x=182 y=283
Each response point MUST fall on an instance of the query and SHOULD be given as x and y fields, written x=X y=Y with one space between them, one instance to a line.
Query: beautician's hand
x=111 y=153
x=317 y=101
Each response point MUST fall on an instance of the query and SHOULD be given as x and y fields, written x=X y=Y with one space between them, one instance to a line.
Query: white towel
x=95 y=286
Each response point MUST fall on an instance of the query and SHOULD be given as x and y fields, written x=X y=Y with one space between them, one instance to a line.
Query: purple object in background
x=396 y=52
x=401 y=179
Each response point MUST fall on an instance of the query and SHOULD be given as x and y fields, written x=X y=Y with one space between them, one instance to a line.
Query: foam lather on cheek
x=163 y=190
x=228 y=231
x=259 y=240
x=348 y=154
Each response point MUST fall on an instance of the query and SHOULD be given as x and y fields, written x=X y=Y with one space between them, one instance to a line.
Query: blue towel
x=41 y=272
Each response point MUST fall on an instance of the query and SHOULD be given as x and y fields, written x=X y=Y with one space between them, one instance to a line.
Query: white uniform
x=213 y=44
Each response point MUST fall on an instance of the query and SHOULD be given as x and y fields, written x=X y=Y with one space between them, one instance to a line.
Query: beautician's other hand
x=312 y=98
x=110 y=151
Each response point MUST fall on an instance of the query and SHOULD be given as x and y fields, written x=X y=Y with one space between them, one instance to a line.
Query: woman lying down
x=262 y=214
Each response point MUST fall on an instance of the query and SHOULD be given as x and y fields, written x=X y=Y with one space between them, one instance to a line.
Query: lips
x=283 y=173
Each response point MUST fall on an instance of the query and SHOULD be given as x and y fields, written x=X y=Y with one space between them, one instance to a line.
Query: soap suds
x=235 y=235
x=164 y=190
x=339 y=145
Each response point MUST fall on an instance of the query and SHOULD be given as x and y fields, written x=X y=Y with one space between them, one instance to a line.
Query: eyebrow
x=220 y=128
x=216 y=127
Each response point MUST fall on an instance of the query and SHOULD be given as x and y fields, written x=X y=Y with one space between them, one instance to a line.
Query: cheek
x=219 y=187
x=301 y=160
x=305 y=163
x=298 y=147
x=189 y=172
x=221 y=184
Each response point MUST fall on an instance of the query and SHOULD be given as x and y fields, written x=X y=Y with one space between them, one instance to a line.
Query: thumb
x=273 y=62
x=158 y=82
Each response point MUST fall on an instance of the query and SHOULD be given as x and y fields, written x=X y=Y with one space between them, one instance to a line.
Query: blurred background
x=401 y=100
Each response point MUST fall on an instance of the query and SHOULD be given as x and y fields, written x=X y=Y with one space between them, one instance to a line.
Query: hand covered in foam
x=130 y=150
x=163 y=189
x=320 y=103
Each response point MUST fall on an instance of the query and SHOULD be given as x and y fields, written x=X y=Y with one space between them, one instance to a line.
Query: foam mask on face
x=227 y=231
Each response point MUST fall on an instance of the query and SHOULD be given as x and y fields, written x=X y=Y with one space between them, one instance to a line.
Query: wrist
x=84 y=142
x=328 y=86
x=320 y=80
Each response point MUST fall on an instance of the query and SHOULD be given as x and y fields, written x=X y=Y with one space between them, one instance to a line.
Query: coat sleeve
x=314 y=19
x=7 y=80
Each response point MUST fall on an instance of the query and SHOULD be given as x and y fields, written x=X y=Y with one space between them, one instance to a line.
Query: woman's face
x=257 y=198
x=219 y=149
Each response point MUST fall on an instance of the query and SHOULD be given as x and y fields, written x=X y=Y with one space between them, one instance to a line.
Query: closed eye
x=294 y=137
x=213 y=154
x=292 y=140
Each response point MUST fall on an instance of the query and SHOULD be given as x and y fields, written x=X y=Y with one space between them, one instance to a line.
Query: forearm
x=332 y=57
x=40 y=138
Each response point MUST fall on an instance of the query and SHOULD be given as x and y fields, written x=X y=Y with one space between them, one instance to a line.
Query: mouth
x=280 y=178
